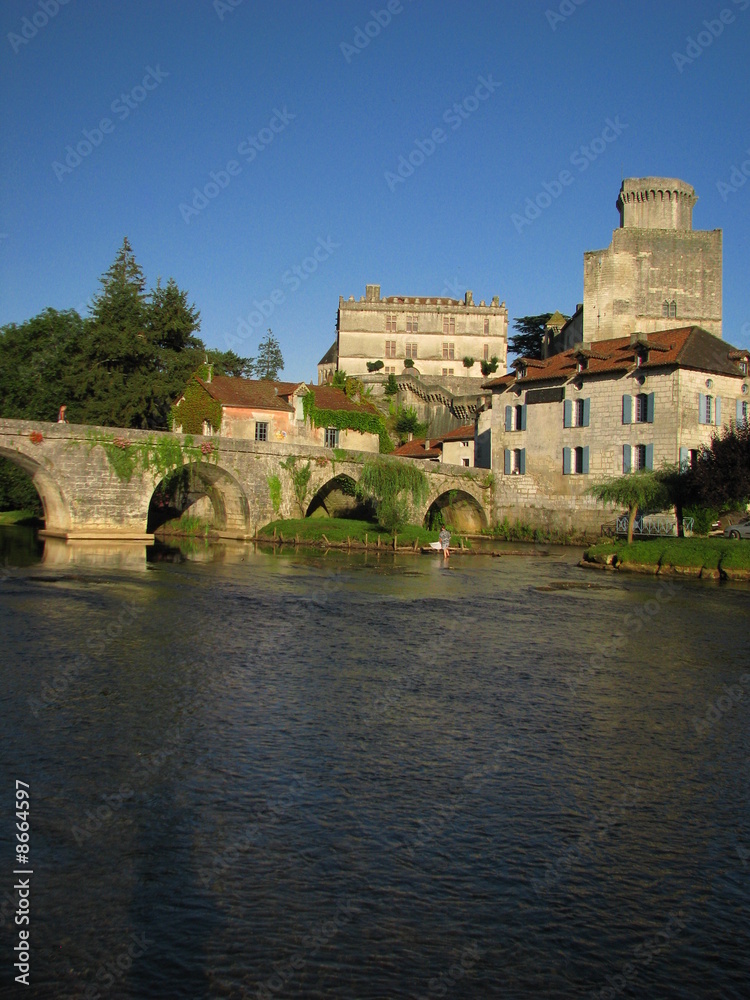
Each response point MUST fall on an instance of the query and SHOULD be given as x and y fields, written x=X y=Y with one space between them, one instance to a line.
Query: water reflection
x=303 y=773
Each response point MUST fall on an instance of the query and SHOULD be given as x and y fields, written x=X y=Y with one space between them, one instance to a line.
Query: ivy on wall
x=350 y=420
x=157 y=455
x=195 y=407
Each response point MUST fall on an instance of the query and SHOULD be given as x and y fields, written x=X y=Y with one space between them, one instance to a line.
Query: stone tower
x=657 y=272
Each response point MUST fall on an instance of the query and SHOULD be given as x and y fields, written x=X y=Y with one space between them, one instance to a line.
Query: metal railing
x=650 y=526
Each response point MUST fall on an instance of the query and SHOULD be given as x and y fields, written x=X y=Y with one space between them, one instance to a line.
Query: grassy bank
x=342 y=531
x=518 y=531
x=706 y=557
x=19 y=517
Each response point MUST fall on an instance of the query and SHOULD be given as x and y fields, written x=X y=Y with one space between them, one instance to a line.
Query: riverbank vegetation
x=705 y=557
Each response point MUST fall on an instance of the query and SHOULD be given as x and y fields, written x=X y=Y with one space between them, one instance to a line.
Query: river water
x=264 y=774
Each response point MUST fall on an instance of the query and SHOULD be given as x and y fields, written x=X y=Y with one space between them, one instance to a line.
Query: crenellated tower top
x=656 y=203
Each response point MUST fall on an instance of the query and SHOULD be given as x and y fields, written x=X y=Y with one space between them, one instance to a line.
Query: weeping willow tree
x=393 y=487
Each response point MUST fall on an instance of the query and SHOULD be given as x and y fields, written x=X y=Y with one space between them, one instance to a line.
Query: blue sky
x=115 y=113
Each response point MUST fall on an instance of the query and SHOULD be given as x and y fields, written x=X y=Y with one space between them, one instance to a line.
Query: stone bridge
x=99 y=482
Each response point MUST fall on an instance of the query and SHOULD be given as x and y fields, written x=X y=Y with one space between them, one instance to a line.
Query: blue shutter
x=739 y=413
x=684 y=459
x=585 y=462
x=718 y=411
x=509 y=418
x=522 y=463
x=586 y=412
x=650 y=408
x=566 y=461
x=523 y=417
x=507 y=461
x=701 y=408
x=627 y=409
x=649 y=456
x=568 y=413
x=627 y=464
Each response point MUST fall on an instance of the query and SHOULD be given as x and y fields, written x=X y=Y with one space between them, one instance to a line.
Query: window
x=412 y=324
x=576 y=412
x=465 y=461
x=447 y=371
x=743 y=367
x=709 y=409
x=635 y=457
x=665 y=309
x=411 y=350
x=743 y=410
x=515 y=418
x=644 y=408
x=465 y=444
x=576 y=461
x=449 y=326
x=390 y=348
x=449 y=351
x=389 y=370
x=207 y=429
x=390 y=322
x=688 y=458
x=486 y=352
x=261 y=430
x=486 y=327
x=669 y=309
x=515 y=462
x=332 y=437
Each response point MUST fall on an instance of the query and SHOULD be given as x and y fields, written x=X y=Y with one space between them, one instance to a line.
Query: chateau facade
x=429 y=336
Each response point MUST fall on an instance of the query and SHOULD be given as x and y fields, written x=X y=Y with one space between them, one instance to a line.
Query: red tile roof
x=256 y=393
x=328 y=398
x=687 y=347
x=416 y=449
x=464 y=433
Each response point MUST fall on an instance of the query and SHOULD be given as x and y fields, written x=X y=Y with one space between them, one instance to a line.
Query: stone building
x=430 y=336
x=610 y=407
x=454 y=448
x=657 y=269
x=261 y=410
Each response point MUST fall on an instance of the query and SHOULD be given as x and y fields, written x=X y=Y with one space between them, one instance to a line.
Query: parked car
x=739 y=530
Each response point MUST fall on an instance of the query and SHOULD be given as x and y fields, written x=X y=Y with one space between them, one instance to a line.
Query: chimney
x=372 y=293
x=469 y=299
x=426 y=444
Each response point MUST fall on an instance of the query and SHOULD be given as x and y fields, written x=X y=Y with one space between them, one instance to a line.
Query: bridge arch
x=459 y=509
x=192 y=482
x=55 y=503
x=335 y=498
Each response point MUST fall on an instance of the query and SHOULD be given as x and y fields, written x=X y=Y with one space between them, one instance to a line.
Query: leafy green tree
x=392 y=486
x=407 y=422
x=269 y=362
x=391 y=385
x=528 y=341
x=489 y=367
x=721 y=477
x=468 y=362
x=642 y=490
x=339 y=379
